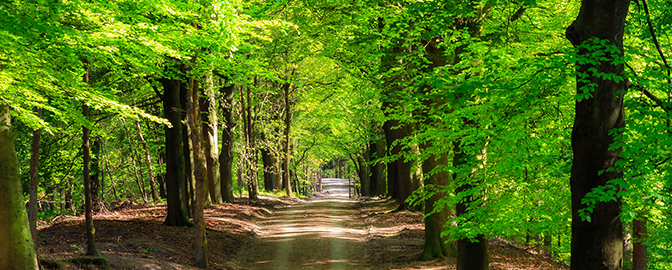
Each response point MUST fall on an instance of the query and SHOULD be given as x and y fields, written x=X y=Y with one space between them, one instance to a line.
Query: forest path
x=311 y=235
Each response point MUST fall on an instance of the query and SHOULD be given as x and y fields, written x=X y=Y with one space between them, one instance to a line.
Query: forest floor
x=327 y=231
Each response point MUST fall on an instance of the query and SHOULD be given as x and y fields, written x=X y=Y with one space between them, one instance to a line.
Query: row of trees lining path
x=494 y=118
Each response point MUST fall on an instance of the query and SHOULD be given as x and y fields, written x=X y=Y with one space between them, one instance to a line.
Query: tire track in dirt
x=310 y=235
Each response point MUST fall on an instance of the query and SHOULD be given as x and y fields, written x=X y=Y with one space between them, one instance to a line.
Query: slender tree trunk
x=597 y=244
x=34 y=179
x=95 y=175
x=148 y=162
x=226 y=156
x=175 y=179
x=17 y=250
x=88 y=200
x=209 y=127
x=188 y=151
x=250 y=150
x=639 y=235
x=200 y=174
x=288 y=122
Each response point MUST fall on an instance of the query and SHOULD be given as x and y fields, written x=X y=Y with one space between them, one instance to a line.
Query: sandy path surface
x=311 y=235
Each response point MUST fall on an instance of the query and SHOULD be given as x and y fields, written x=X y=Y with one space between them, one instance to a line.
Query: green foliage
x=494 y=79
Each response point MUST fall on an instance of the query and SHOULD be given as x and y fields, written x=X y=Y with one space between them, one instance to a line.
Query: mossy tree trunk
x=209 y=130
x=17 y=250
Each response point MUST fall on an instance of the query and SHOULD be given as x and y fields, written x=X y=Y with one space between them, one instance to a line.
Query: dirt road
x=310 y=235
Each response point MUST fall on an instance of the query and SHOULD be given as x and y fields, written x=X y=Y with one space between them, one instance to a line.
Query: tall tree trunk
x=148 y=162
x=435 y=245
x=381 y=188
x=17 y=250
x=34 y=179
x=287 y=154
x=250 y=150
x=188 y=151
x=639 y=235
x=175 y=179
x=209 y=120
x=200 y=173
x=226 y=156
x=88 y=200
x=597 y=243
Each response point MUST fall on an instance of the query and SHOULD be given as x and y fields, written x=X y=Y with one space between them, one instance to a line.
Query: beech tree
x=597 y=239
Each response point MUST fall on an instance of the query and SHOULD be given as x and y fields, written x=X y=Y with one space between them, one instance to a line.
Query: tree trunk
x=364 y=176
x=226 y=156
x=34 y=179
x=187 y=151
x=209 y=119
x=175 y=178
x=250 y=155
x=269 y=169
x=392 y=166
x=148 y=162
x=597 y=243
x=17 y=251
x=88 y=200
x=472 y=254
x=161 y=178
x=95 y=175
x=404 y=168
x=200 y=174
x=435 y=245
x=639 y=235
x=287 y=154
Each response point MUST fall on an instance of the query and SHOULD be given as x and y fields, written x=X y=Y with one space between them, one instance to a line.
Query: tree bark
x=17 y=250
x=597 y=244
x=175 y=178
x=188 y=151
x=287 y=154
x=88 y=200
x=226 y=156
x=34 y=179
x=148 y=162
x=200 y=174
x=209 y=127
x=639 y=235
